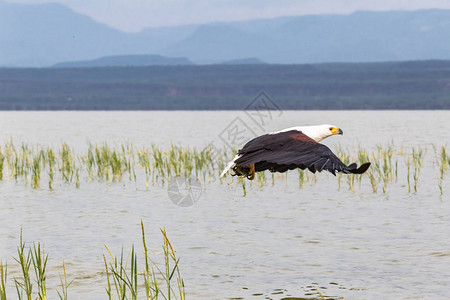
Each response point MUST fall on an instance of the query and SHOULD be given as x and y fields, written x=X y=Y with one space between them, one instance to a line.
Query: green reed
x=344 y=155
x=373 y=180
x=129 y=161
x=365 y=156
x=386 y=169
x=51 y=160
x=159 y=283
x=108 y=282
x=417 y=159
x=443 y=162
x=39 y=260
x=221 y=161
x=242 y=180
x=320 y=294
x=3 y=278
x=261 y=178
x=2 y=160
x=124 y=276
x=408 y=174
x=150 y=282
x=172 y=268
x=144 y=161
x=159 y=164
x=383 y=169
x=102 y=162
x=89 y=161
x=35 y=259
x=301 y=177
x=36 y=171
x=65 y=284
x=24 y=284
x=118 y=269
x=67 y=163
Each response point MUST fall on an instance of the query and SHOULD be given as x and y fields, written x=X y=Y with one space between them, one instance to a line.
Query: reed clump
x=39 y=259
x=383 y=165
x=157 y=282
x=65 y=284
x=31 y=260
x=3 y=279
x=125 y=277
x=156 y=166
x=443 y=163
x=2 y=160
x=24 y=283
x=417 y=159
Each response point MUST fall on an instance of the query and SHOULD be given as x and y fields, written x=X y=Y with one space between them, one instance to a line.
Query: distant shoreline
x=413 y=85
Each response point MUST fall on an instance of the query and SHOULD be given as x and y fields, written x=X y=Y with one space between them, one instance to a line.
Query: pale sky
x=134 y=15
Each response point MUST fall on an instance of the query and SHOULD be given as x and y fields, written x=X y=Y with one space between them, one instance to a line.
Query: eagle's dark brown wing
x=292 y=149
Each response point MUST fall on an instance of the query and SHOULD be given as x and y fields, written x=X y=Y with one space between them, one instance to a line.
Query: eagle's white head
x=316 y=132
x=319 y=132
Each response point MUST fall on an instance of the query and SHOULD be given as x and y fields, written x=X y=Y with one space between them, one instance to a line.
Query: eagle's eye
x=331 y=128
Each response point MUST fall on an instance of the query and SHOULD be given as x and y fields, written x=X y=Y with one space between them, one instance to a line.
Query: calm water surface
x=276 y=242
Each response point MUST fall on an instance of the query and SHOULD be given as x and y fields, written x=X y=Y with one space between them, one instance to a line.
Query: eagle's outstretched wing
x=290 y=150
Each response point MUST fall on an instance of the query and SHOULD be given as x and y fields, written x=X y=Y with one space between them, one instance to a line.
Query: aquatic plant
x=122 y=280
x=35 y=259
x=301 y=178
x=51 y=160
x=107 y=163
x=144 y=161
x=443 y=162
x=3 y=278
x=23 y=284
x=159 y=280
x=2 y=159
x=64 y=283
x=241 y=181
x=417 y=159
x=408 y=174
x=261 y=178
x=36 y=171
x=39 y=260
x=156 y=283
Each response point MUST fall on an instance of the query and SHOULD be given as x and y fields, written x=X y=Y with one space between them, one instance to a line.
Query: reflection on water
x=279 y=242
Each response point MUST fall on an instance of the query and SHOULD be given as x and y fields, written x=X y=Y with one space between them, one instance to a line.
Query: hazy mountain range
x=145 y=60
x=127 y=60
x=46 y=34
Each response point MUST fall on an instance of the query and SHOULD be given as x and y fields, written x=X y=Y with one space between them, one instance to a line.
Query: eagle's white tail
x=230 y=164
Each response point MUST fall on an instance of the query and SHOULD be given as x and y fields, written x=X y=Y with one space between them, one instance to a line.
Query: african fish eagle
x=291 y=148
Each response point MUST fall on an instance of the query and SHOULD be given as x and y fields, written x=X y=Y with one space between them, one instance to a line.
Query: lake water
x=279 y=241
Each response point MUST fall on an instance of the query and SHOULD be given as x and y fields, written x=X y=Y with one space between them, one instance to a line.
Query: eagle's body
x=288 y=149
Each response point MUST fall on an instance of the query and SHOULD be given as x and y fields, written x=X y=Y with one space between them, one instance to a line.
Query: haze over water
x=276 y=242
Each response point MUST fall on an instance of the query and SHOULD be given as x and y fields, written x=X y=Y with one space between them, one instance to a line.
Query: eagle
x=288 y=149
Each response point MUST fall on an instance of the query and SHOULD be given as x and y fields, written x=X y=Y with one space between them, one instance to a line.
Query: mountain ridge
x=54 y=33
x=126 y=60
x=392 y=85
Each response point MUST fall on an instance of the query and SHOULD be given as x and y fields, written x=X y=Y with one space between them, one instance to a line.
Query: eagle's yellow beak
x=335 y=130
